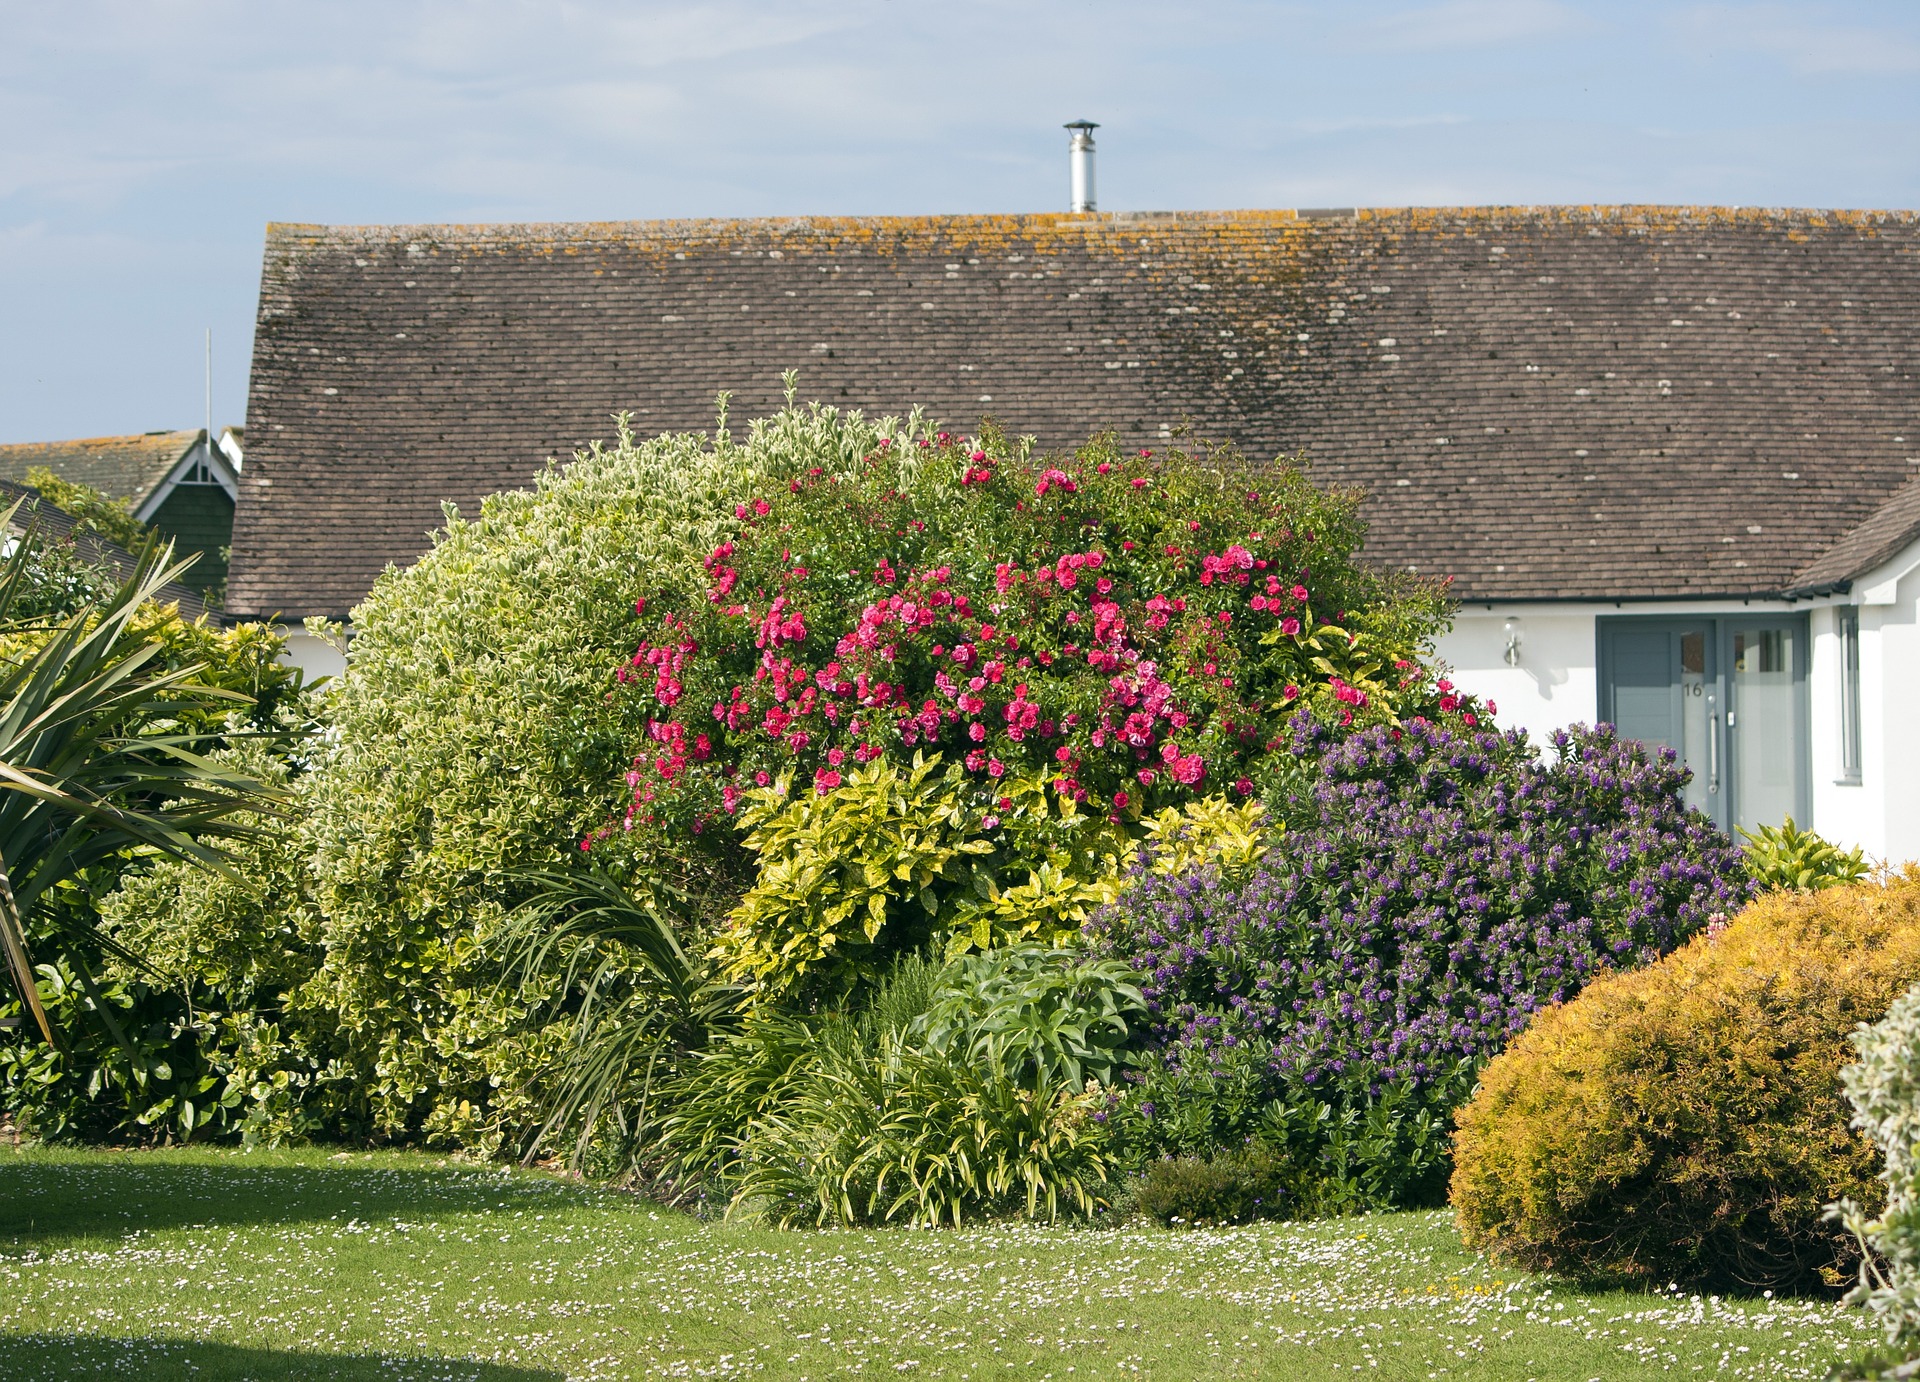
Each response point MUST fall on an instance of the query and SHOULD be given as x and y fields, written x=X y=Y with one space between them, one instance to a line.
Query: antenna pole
x=209 y=394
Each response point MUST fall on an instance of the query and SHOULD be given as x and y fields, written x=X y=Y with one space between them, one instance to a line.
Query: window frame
x=1846 y=627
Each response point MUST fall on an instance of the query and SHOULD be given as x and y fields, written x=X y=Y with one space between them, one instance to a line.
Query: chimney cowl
x=1080 y=161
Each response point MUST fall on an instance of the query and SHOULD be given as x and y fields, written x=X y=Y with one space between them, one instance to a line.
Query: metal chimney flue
x=1080 y=157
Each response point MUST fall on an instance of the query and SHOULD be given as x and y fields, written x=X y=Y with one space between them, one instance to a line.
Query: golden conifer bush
x=1685 y=1122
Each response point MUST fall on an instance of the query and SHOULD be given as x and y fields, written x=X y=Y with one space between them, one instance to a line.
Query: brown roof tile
x=1541 y=402
x=127 y=468
x=1889 y=530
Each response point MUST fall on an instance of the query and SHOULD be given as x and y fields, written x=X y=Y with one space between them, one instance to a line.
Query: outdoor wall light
x=1512 y=654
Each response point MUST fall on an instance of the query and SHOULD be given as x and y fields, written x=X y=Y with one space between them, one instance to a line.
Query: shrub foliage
x=1785 y=856
x=1230 y=1186
x=1434 y=887
x=1883 y=1087
x=1685 y=1122
x=742 y=809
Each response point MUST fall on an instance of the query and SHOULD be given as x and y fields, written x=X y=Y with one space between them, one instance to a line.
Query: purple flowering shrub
x=1435 y=885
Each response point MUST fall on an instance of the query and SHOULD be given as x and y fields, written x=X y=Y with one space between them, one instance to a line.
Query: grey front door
x=1728 y=696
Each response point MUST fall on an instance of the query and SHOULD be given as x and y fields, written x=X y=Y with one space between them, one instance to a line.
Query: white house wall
x=1556 y=684
x=314 y=656
x=1851 y=811
x=1892 y=726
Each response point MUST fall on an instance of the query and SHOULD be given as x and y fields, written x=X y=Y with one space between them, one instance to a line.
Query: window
x=1847 y=619
x=200 y=473
x=1729 y=696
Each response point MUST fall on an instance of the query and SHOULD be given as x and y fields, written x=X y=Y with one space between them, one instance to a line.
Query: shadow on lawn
x=30 y=1357
x=44 y=1202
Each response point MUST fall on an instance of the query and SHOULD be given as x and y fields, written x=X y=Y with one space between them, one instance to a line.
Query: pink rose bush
x=1126 y=632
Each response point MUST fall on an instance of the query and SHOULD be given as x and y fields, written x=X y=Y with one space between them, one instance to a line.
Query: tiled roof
x=127 y=468
x=1891 y=528
x=55 y=523
x=1541 y=402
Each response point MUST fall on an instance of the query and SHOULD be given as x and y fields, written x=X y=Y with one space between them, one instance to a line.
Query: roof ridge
x=1567 y=212
x=120 y=439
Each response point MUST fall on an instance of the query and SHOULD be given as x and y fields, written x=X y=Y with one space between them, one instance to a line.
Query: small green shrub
x=880 y=854
x=1060 y=1016
x=904 y=1136
x=93 y=511
x=1228 y=1187
x=1390 y=1147
x=1785 y=856
x=1884 y=1088
x=1684 y=1122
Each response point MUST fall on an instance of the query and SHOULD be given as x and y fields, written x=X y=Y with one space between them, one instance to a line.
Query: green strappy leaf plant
x=95 y=757
x=610 y=955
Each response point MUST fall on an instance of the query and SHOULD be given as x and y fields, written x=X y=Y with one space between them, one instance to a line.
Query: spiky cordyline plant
x=642 y=1002
x=93 y=757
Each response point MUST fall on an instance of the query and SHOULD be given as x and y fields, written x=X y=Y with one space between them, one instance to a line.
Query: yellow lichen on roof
x=125 y=467
x=1259 y=234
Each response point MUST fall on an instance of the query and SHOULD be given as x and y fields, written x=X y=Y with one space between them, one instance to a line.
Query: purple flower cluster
x=1434 y=886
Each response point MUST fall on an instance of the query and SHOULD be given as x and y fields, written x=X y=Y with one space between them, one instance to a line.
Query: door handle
x=1713 y=747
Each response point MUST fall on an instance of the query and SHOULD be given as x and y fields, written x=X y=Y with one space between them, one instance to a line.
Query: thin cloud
x=1813 y=48
x=1477 y=24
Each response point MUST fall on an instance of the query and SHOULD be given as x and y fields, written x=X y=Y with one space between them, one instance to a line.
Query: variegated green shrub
x=849 y=878
x=893 y=859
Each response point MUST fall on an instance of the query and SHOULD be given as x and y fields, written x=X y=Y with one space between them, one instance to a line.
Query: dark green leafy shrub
x=114 y=740
x=198 y=1030
x=1227 y=1187
x=1684 y=1122
x=1037 y=1012
x=1392 y=1147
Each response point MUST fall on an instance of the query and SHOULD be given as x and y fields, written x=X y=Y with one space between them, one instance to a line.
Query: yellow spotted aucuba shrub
x=896 y=860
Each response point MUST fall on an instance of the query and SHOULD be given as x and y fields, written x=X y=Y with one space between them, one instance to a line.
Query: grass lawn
x=212 y=1265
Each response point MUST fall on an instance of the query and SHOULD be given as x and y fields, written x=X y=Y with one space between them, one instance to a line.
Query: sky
x=145 y=145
